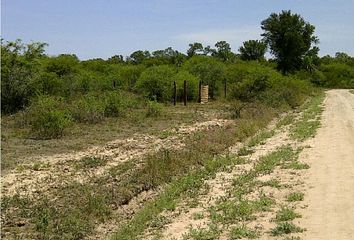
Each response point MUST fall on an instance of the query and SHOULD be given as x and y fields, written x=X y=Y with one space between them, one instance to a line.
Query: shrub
x=47 y=120
x=88 y=109
x=209 y=70
x=154 y=109
x=156 y=83
x=114 y=105
x=192 y=85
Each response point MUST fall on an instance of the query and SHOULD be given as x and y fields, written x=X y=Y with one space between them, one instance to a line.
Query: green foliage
x=209 y=70
x=156 y=83
x=192 y=85
x=253 y=50
x=295 y=196
x=290 y=39
x=19 y=65
x=337 y=75
x=46 y=118
x=64 y=64
x=88 y=109
x=154 y=109
x=243 y=231
x=285 y=228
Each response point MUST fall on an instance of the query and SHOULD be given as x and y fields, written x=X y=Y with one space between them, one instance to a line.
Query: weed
x=244 y=151
x=154 y=109
x=295 y=196
x=309 y=123
x=210 y=233
x=90 y=162
x=197 y=216
x=272 y=183
x=287 y=120
x=159 y=222
x=243 y=232
x=296 y=165
x=286 y=214
x=285 y=228
x=260 y=138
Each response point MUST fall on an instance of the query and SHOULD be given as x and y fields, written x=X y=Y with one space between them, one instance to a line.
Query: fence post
x=225 y=89
x=185 y=93
x=174 y=93
x=200 y=92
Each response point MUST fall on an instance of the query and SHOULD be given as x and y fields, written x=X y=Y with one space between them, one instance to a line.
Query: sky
x=103 y=28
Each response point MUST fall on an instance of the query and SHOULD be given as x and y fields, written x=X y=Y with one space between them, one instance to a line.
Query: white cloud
x=235 y=36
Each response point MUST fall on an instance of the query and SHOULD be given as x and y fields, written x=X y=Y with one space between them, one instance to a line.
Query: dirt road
x=330 y=180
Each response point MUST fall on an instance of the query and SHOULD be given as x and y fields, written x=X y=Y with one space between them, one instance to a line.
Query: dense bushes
x=338 y=75
x=95 y=89
x=156 y=83
x=47 y=117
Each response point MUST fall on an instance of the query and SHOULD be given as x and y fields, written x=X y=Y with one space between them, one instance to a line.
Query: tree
x=223 y=51
x=195 y=48
x=116 y=59
x=253 y=50
x=19 y=69
x=138 y=57
x=290 y=39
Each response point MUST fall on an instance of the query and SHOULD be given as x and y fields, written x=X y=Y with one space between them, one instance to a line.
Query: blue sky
x=102 y=28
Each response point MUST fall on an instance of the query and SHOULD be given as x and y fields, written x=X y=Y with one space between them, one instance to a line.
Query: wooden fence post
x=185 y=93
x=174 y=93
x=200 y=92
x=225 y=89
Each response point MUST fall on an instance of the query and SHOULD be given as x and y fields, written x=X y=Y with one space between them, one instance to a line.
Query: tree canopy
x=290 y=39
x=253 y=50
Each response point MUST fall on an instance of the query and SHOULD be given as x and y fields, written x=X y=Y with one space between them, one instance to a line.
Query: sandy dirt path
x=330 y=179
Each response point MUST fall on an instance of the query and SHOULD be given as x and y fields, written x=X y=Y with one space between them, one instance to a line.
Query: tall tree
x=290 y=39
x=253 y=50
x=139 y=56
x=195 y=48
x=223 y=51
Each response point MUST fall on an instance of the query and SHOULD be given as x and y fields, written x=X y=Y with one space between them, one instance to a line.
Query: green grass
x=351 y=91
x=243 y=231
x=286 y=214
x=209 y=233
x=90 y=162
x=260 y=138
x=307 y=126
x=295 y=197
x=287 y=120
x=285 y=228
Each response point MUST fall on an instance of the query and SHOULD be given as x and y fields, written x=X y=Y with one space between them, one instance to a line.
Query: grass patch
x=243 y=231
x=90 y=162
x=285 y=228
x=287 y=120
x=274 y=183
x=260 y=138
x=286 y=214
x=210 y=233
x=307 y=126
x=295 y=197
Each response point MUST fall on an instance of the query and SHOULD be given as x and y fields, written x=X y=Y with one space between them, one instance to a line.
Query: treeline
x=55 y=91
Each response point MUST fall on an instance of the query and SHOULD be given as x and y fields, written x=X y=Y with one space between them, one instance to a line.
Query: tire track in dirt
x=55 y=171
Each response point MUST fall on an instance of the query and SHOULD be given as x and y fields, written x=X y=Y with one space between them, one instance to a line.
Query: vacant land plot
x=217 y=178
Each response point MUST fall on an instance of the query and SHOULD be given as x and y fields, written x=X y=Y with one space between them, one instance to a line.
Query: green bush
x=114 y=105
x=156 y=83
x=154 y=109
x=338 y=75
x=88 y=109
x=192 y=85
x=46 y=118
x=209 y=70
